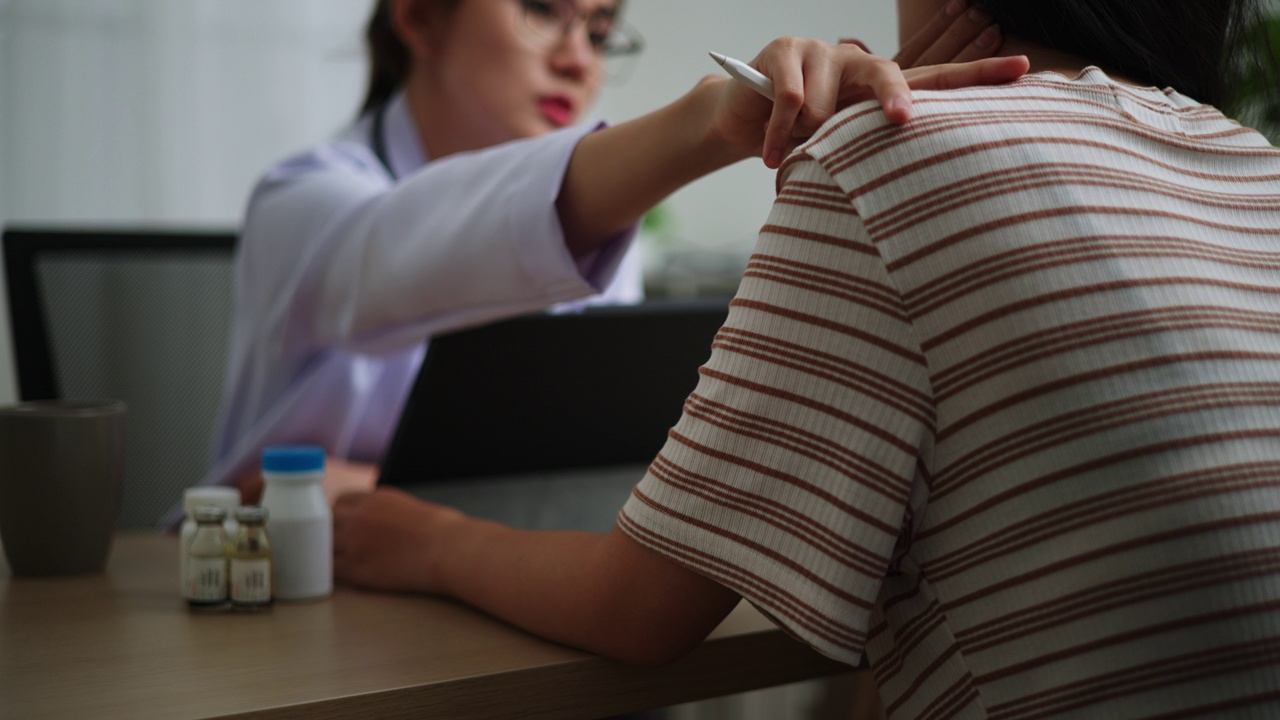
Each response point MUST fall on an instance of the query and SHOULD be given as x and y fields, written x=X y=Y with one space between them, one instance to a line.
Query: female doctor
x=465 y=193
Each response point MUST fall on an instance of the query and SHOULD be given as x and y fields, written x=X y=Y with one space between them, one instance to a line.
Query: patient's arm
x=600 y=592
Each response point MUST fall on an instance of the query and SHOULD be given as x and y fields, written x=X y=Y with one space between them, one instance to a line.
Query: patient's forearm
x=599 y=592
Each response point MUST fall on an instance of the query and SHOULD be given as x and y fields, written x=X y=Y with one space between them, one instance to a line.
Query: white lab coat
x=343 y=272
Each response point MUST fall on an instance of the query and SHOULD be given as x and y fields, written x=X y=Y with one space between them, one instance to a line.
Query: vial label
x=250 y=581
x=206 y=579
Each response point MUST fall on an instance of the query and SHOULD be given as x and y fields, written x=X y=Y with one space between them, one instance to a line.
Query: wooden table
x=122 y=644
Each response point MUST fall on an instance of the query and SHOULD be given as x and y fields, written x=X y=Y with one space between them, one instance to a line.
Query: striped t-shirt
x=998 y=403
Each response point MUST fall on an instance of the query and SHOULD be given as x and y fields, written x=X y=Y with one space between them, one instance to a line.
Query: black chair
x=545 y=393
x=141 y=316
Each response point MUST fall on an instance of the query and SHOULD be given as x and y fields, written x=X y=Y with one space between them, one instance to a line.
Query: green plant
x=1255 y=98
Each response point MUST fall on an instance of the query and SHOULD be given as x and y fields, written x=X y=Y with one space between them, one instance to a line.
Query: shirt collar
x=404 y=148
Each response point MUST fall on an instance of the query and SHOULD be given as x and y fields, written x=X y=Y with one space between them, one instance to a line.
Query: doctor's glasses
x=614 y=43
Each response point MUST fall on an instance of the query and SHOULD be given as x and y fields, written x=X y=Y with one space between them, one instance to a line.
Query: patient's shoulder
x=965 y=134
x=944 y=120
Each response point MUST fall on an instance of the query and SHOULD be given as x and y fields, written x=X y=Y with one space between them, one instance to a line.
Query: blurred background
x=162 y=113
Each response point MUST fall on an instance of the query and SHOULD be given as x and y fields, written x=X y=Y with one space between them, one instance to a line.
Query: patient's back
x=1092 y=274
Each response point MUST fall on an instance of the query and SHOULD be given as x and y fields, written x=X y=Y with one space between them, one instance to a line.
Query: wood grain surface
x=122 y=644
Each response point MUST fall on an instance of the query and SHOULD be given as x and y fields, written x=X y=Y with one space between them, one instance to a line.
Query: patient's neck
x=1045 y=59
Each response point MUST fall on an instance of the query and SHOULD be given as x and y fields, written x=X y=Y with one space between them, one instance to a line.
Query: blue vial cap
x=293 y=458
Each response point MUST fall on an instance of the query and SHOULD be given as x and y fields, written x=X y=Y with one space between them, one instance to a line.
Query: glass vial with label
x=206 y=555
x=251 y=571
x=227 y=498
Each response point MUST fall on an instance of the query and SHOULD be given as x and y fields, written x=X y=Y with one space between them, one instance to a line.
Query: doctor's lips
x=557 y=109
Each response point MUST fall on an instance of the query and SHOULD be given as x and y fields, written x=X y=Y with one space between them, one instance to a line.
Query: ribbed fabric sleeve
x=998 y=404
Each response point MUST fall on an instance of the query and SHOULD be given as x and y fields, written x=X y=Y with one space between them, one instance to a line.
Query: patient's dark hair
x=1198 y=47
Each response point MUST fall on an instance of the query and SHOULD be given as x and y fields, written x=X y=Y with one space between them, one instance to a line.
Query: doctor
x=465 y=193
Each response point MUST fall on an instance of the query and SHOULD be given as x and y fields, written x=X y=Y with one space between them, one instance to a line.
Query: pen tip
x=717 y=57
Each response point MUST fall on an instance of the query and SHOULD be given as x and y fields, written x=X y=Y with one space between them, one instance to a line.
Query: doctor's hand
x=383 y=540
x=812 y=80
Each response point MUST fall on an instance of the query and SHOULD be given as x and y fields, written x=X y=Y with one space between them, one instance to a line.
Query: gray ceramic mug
x=61 y=473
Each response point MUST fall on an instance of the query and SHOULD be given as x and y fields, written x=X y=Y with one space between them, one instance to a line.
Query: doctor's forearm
x=618 y=174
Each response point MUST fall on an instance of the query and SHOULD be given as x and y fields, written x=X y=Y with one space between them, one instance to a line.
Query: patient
x=997 y=404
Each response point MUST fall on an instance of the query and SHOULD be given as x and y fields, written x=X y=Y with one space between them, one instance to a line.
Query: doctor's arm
x=617 y=174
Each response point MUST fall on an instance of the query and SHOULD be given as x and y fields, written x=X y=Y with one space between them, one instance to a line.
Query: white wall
x=163 y=112
x=728 y=208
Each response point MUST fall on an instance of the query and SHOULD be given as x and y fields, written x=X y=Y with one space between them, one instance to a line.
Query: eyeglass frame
x=620 y=29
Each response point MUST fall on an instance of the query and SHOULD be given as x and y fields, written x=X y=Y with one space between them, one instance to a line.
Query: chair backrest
x=141 y=316
x=549 y=392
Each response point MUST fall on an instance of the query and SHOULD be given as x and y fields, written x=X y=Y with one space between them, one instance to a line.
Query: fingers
x=961 y=34
x=797 y=116
x=351 y=501
x=917 y=44
x=957 y=34
x=992 y=71
x=346 y=522
x=884 y=80
x=983 y=46
x=342 y=478
x=250 y=485
x=856 y=42
x=787 y=67
x=811 y=80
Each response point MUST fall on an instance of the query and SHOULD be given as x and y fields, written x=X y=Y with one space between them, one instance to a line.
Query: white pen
x=747 y=74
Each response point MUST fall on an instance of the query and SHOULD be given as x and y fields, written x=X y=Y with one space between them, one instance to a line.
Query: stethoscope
x=378 y=140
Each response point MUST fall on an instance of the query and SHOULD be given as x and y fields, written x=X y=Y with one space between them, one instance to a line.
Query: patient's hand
x=249 y=483
x=384 y=539
x=957 y=34
x=342 y=477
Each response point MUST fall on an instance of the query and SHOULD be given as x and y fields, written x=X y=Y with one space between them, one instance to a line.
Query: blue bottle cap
x=293 y=458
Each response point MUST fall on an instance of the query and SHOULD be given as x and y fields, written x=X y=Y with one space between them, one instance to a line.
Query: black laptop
x=552 y=392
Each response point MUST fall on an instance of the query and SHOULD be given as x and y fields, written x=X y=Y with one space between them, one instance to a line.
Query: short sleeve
x=789 y=474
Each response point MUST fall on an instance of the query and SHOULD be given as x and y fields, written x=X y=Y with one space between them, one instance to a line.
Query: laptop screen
x=550 y=392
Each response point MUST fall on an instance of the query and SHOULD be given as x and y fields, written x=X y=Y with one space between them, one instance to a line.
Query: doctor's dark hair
x=389 y=58
x=1202 y=48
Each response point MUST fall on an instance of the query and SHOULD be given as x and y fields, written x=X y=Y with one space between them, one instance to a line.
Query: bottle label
x=206 y=579
x=251 y=581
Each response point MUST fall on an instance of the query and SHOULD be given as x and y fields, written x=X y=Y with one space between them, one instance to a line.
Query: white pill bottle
x=299 y=521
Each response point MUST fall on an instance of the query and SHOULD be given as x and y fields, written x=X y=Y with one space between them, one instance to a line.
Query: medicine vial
x=300 y=521
x=206 y=566
x=250 y=561
x=227 y=498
